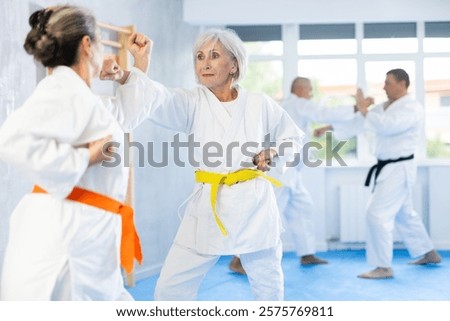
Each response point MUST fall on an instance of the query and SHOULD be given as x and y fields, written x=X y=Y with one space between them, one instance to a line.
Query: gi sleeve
x=141 y=98
x=322 y=114
x=349 y=129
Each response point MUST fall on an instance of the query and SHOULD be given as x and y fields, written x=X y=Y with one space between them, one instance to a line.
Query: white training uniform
x=248 y=209
x=397 y=131
x=294 y=200
x=59 y=249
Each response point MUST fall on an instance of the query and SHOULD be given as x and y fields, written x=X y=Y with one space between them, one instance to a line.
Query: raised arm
x=140 y=47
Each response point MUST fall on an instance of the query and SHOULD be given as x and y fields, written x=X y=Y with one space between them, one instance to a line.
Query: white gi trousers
x=389 y=204
x=296 y=206
x=184 y=269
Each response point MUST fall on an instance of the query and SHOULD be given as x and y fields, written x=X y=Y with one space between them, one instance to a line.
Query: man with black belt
x=397 y=125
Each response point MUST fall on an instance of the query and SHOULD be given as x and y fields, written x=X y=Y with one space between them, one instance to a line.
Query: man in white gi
x=397 y=124
x=294 y=200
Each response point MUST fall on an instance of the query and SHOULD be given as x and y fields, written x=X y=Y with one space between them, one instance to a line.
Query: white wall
x=439 y=205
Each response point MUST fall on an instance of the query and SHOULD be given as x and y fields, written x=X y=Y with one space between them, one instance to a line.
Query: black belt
x=379 y=166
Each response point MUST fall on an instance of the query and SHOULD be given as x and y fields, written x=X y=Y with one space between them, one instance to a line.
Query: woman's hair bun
x=40 y=43
x=56 y=33
x=38 y=20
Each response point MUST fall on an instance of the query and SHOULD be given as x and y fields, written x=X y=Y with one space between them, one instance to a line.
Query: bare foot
x=378 y=273
x=311 y=260
x=236 y=266
x=431 y=257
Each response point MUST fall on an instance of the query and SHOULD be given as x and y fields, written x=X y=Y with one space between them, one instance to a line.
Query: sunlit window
x=437 y=99
x=265 y=77
x=401 y=45
x=260 y=40
x=334 y=84
x=333 y=76
x=264 y=48
x=389 y=38
x=265 y=70
x=436 y=45
x=329 y=39
x=326 y=46
x=437 y=37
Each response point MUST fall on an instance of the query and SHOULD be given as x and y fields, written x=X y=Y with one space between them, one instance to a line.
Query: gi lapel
x=217 y=110
x=237 y=119
x=230 y=124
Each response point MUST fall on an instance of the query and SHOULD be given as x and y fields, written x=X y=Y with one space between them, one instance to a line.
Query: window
x=437 y=36
x=265 y=77
x=333 y=77
x=437 y=100
x=338 y=58
x=334 y=84
x=389 y=38
x=326 y=47
x=257 y=33
x=445 y=101
x=332 y=39
x=265 y=50
x=261 y=40
x=436 y=64
x=327 y=56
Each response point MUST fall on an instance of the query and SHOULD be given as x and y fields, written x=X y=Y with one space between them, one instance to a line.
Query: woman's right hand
x=100 y=150
x=264 y=159
x=140 y=47
x=319 y=132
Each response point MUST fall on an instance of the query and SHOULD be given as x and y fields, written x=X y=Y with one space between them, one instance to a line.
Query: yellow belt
x=216 y=179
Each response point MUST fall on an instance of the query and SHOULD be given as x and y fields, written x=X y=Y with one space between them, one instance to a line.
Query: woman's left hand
x=111 y=69
x=264 y=159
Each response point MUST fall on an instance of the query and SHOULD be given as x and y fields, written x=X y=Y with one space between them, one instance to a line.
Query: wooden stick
x=112 y=43
x=123 y=61
x=123 y=57
x=114 y=28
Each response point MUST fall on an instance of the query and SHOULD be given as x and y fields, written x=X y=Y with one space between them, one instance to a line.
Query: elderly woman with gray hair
x=233 y=208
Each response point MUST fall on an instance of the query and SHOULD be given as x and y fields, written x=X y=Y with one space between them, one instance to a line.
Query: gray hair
x=233 y=45
x=299 y=81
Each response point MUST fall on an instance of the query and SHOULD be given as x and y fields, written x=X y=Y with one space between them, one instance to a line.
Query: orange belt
x=130 y=247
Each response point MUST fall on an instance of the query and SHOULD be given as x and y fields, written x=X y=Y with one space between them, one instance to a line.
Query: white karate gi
x=294 y=200
x=248 y=209
x=397 y=132
x=59 y=249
